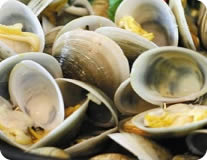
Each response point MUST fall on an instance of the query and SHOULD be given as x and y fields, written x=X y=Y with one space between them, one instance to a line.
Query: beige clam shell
x=154 y=16
x=92 y=58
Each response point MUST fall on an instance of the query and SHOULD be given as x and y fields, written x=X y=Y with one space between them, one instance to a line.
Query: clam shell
x=50 y=38
x=154 y=16
x=178 y=10
x=128 y=102
x=14 y=12
x=196 y=142
x=102 y=116
x=35 y=91
x=132 y=44
x=166 y=75
x=45 y=60
x=87 y=23
x=141 y=147
x=175 y=131
x=92 y=58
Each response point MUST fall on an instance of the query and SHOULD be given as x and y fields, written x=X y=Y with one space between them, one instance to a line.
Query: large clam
x=91 y=57
x=13 y=12
x=166 y=75
x=156 y=17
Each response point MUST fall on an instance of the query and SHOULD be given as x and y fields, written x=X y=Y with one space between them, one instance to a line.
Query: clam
x=87 y=23
x=50 y=152
x=16 y=12
x=185 y=157
x=178 y=10
x=128 y=102
x=177 y=120
x=141 y=147
x=132 y=44
x=154 y=16
x=101 y=113
x=93 y=58
x=196 y=142
x=5 y=51
x=166 y=75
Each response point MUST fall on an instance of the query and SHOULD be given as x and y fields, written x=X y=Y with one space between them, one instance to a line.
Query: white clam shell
x=132 y=44
x=87 y=22
x=178 y=10
x=174 y=131
x=47 y=61
x=36 y=92
x=154 y=16
x=141 y=147
x=128 y=102
x=143 y=74
x=14 y=12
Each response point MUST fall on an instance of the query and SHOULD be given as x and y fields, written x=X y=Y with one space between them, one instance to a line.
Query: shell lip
x=138 y=121
x=159 y=100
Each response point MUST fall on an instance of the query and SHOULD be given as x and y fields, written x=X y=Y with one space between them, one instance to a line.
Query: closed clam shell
x=132 y=44
x=141 y=147
x=14 y=12
x=92 y=58
x=178 y=10
x=128 y=102
x=166 y=75
x=35 y=91
x=45 y=60
x=154 y=16
x=90 y=23
x=196 y=141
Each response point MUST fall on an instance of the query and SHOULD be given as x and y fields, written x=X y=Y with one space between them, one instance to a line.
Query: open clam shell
x=196 y=142
x=90 y=23
x=141 y=147
x=45 y=60
x=35 y=91
x=101 y=112
x=132 y=44
x=179 y=129
x=13 y=12
x=93 y=58
x=156 y=17
x=128 y=102
x=166 y=75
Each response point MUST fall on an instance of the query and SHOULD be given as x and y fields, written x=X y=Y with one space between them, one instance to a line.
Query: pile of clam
x=72 y=81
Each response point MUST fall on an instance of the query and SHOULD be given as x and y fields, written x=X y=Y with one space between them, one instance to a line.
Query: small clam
x=87 y=23
x=50 y=152
x=166 y=75
x=132 y=44
x=176 y=120
x=196 y=142
x=128 y=102
x=14 y=12
x=141 y=147
x=154 y=16
x=93 y=58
